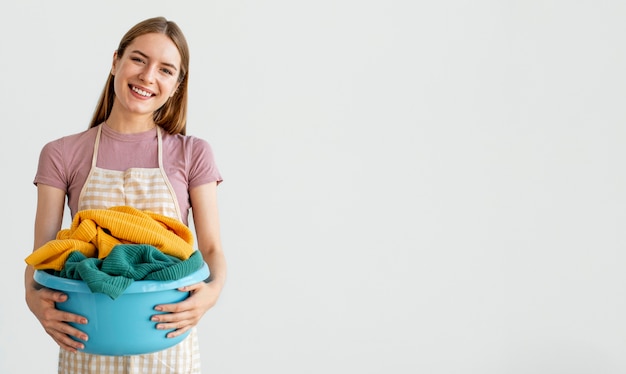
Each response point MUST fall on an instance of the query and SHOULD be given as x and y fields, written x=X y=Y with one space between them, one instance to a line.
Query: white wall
x=410 y=186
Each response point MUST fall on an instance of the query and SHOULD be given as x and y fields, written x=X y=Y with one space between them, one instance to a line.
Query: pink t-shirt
x=188 y=161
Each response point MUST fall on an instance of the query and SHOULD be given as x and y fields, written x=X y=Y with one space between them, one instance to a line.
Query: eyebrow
x=146 y=56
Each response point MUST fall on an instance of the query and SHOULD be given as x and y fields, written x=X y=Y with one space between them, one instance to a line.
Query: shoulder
x=74 y=139
x=189 y=144
x=188 y=140
x=197 y=158
x=71 y=142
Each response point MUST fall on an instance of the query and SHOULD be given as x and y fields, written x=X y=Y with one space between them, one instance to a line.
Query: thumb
x=55 y=296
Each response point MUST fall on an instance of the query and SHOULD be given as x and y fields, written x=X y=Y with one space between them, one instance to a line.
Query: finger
x=172 y=325
x=178 y=332
x=71 y=317
x=68 y=337
x=67 y=343
x=191 y=287
x=171 y=317
x=55 y=296
x=58 y=329
x=72 y=331
x=174 y=308
x=180 y=323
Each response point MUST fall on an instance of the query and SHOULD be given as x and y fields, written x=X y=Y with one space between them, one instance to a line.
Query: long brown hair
x=172 y=116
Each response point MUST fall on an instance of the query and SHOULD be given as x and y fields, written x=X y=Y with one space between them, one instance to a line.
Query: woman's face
x=146 y=76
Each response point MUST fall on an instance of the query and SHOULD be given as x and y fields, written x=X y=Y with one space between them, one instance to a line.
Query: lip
x=133 y=89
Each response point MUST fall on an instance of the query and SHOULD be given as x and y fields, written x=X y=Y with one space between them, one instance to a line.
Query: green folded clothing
x=125 y=264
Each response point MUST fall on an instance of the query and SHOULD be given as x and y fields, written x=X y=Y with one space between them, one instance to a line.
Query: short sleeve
x=203 y=166
x=50 y=170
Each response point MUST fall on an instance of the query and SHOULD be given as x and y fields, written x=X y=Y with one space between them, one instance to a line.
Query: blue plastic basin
x=122 y=327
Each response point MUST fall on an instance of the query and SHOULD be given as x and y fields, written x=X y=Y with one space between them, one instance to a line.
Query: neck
x=129 y=127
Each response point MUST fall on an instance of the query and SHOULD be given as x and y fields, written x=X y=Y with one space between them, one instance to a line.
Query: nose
x=148 y=74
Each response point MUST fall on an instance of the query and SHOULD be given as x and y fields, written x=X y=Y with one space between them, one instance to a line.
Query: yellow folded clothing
x=94 y=232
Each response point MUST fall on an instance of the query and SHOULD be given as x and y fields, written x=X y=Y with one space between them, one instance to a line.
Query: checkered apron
x=144 y=189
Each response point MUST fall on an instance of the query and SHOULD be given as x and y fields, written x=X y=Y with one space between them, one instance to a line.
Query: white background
x=410 y=186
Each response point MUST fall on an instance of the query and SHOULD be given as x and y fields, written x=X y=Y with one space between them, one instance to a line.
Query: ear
x=114 y=63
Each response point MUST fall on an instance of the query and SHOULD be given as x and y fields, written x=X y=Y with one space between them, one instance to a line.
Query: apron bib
x=141 y=188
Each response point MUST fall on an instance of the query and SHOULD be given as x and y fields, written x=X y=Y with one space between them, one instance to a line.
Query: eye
x=167 y=71
x=137 y=59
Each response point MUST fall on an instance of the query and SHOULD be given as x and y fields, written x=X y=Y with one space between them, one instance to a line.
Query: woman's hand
x=186 y=314
x=41 y=302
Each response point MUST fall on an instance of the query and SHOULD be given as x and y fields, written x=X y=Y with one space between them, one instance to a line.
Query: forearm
x=216 y=262
x=30 y=286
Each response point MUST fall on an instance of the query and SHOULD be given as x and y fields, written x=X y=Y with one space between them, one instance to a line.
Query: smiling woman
x=135 y=154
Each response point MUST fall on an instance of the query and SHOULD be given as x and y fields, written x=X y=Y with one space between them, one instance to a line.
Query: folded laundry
x=125 y=264
x=95 y=232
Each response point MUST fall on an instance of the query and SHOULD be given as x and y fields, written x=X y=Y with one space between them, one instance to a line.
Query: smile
x=141 y=92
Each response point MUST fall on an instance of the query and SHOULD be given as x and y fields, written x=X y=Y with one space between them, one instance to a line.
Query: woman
x=135 y=152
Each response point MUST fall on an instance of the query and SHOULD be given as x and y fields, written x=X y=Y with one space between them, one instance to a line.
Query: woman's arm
x=40 y=300
x=204 y=296
x=206 y=222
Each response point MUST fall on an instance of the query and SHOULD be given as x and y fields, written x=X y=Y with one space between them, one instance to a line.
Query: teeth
x=142 y=92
